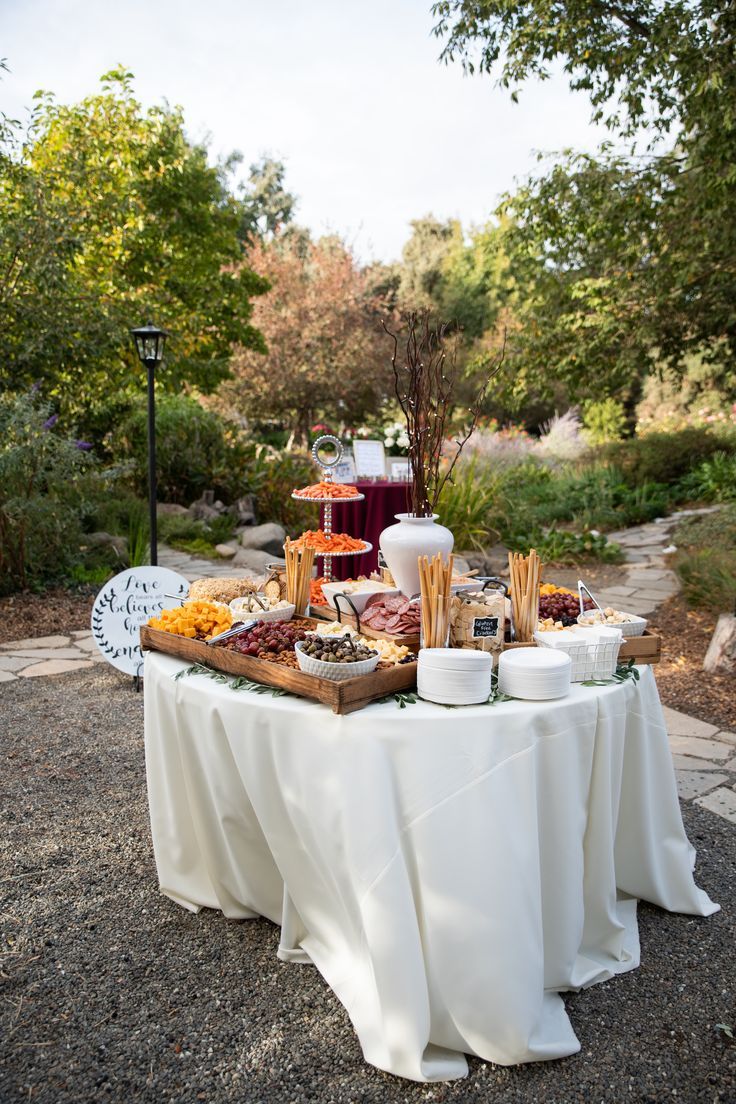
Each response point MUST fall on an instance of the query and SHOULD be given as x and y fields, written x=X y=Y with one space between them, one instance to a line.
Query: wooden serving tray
x=342 y=697
x=645 y=649
x=327 y=613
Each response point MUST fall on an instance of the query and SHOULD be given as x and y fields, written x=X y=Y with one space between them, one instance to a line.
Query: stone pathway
x=48 y=655
x=704 y=756
x=705 y=763
x=192 y=567
x=648 y=581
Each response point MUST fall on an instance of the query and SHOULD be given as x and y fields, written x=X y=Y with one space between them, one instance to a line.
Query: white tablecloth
x=448 y=871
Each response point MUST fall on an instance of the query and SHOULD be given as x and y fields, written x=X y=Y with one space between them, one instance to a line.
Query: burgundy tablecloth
x=366 y=519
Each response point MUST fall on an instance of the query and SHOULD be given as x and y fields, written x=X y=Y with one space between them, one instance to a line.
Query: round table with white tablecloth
x=448 y=871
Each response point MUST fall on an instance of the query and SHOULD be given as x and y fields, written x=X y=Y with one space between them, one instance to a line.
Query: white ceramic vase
x=411 y=537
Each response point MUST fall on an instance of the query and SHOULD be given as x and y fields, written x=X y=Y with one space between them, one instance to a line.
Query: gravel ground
x=56 y=610
x=110 y=992
x=682 y=682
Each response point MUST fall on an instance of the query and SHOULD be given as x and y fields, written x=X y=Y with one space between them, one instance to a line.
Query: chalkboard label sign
x=125 y=603
x=485 y=626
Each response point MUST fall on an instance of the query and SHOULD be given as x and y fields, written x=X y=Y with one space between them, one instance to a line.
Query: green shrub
x=467 y=506
x=716 y=529
x=706 y=559
x=712 y=481
x=195 y=450
x=86 y=574
x=565 y=547
x=591 y=497
x=604 y=420
x=41 y=472
x=272 y=476
x=198 y=538
x=139 y=535
x=664 y=457
x=708 y=578
x=110 y=505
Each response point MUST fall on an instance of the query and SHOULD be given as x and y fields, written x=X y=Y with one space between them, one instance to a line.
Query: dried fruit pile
x=338 y=491
x=316 y=597
x=322 y=542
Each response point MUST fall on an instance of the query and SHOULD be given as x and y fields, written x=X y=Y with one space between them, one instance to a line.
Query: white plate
x=532 y=660
x=441 y=697
x=455 y=659
x=536 y=674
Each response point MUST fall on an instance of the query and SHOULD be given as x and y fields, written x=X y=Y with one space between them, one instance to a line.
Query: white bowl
x=634 y=627
x=359 y=597
x=284 y=613
x=337 y=672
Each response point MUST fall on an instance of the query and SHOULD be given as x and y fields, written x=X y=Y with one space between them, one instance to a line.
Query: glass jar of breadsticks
x=299 y=563
x=525 y=574
x=435 y=580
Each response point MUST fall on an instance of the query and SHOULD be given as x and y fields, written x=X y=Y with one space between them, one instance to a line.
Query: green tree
x=476 y=287
x=110 y=215
x=41 y=495
x=268 y=207
x=461 y=278
x=624 y=263
x=423 y=261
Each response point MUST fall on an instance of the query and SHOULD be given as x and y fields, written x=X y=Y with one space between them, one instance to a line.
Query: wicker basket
x=590 y=659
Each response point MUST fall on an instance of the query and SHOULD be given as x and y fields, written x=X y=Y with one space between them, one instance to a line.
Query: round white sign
x=124 y=604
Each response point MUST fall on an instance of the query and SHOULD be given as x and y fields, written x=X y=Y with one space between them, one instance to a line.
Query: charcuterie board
x=342 y=697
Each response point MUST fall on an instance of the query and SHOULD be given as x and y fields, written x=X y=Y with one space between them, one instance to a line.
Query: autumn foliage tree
x=326 y=351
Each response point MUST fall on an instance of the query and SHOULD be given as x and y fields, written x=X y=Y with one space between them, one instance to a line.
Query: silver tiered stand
x=327 y=465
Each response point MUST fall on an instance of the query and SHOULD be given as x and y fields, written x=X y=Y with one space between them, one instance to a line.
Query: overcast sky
x=349 y=93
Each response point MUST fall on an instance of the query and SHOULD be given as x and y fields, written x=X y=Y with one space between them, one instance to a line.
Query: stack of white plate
x=454 y=676
x=537 y=674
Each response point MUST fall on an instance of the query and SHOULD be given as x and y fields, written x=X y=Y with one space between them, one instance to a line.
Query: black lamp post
x=149 y=343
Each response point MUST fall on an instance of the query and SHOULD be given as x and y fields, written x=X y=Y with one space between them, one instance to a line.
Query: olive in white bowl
x=335 y=657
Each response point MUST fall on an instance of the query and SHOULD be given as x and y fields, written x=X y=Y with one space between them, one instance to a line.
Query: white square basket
x=591 y=659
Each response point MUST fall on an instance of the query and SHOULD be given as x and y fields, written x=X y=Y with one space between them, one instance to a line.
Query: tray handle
x=500 y=584
x=350 y=602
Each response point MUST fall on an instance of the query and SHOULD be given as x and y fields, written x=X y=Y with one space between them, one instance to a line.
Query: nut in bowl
x=629 y=623
x=335 y=657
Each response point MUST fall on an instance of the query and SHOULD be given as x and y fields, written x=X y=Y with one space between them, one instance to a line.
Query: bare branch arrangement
x=424 y=378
